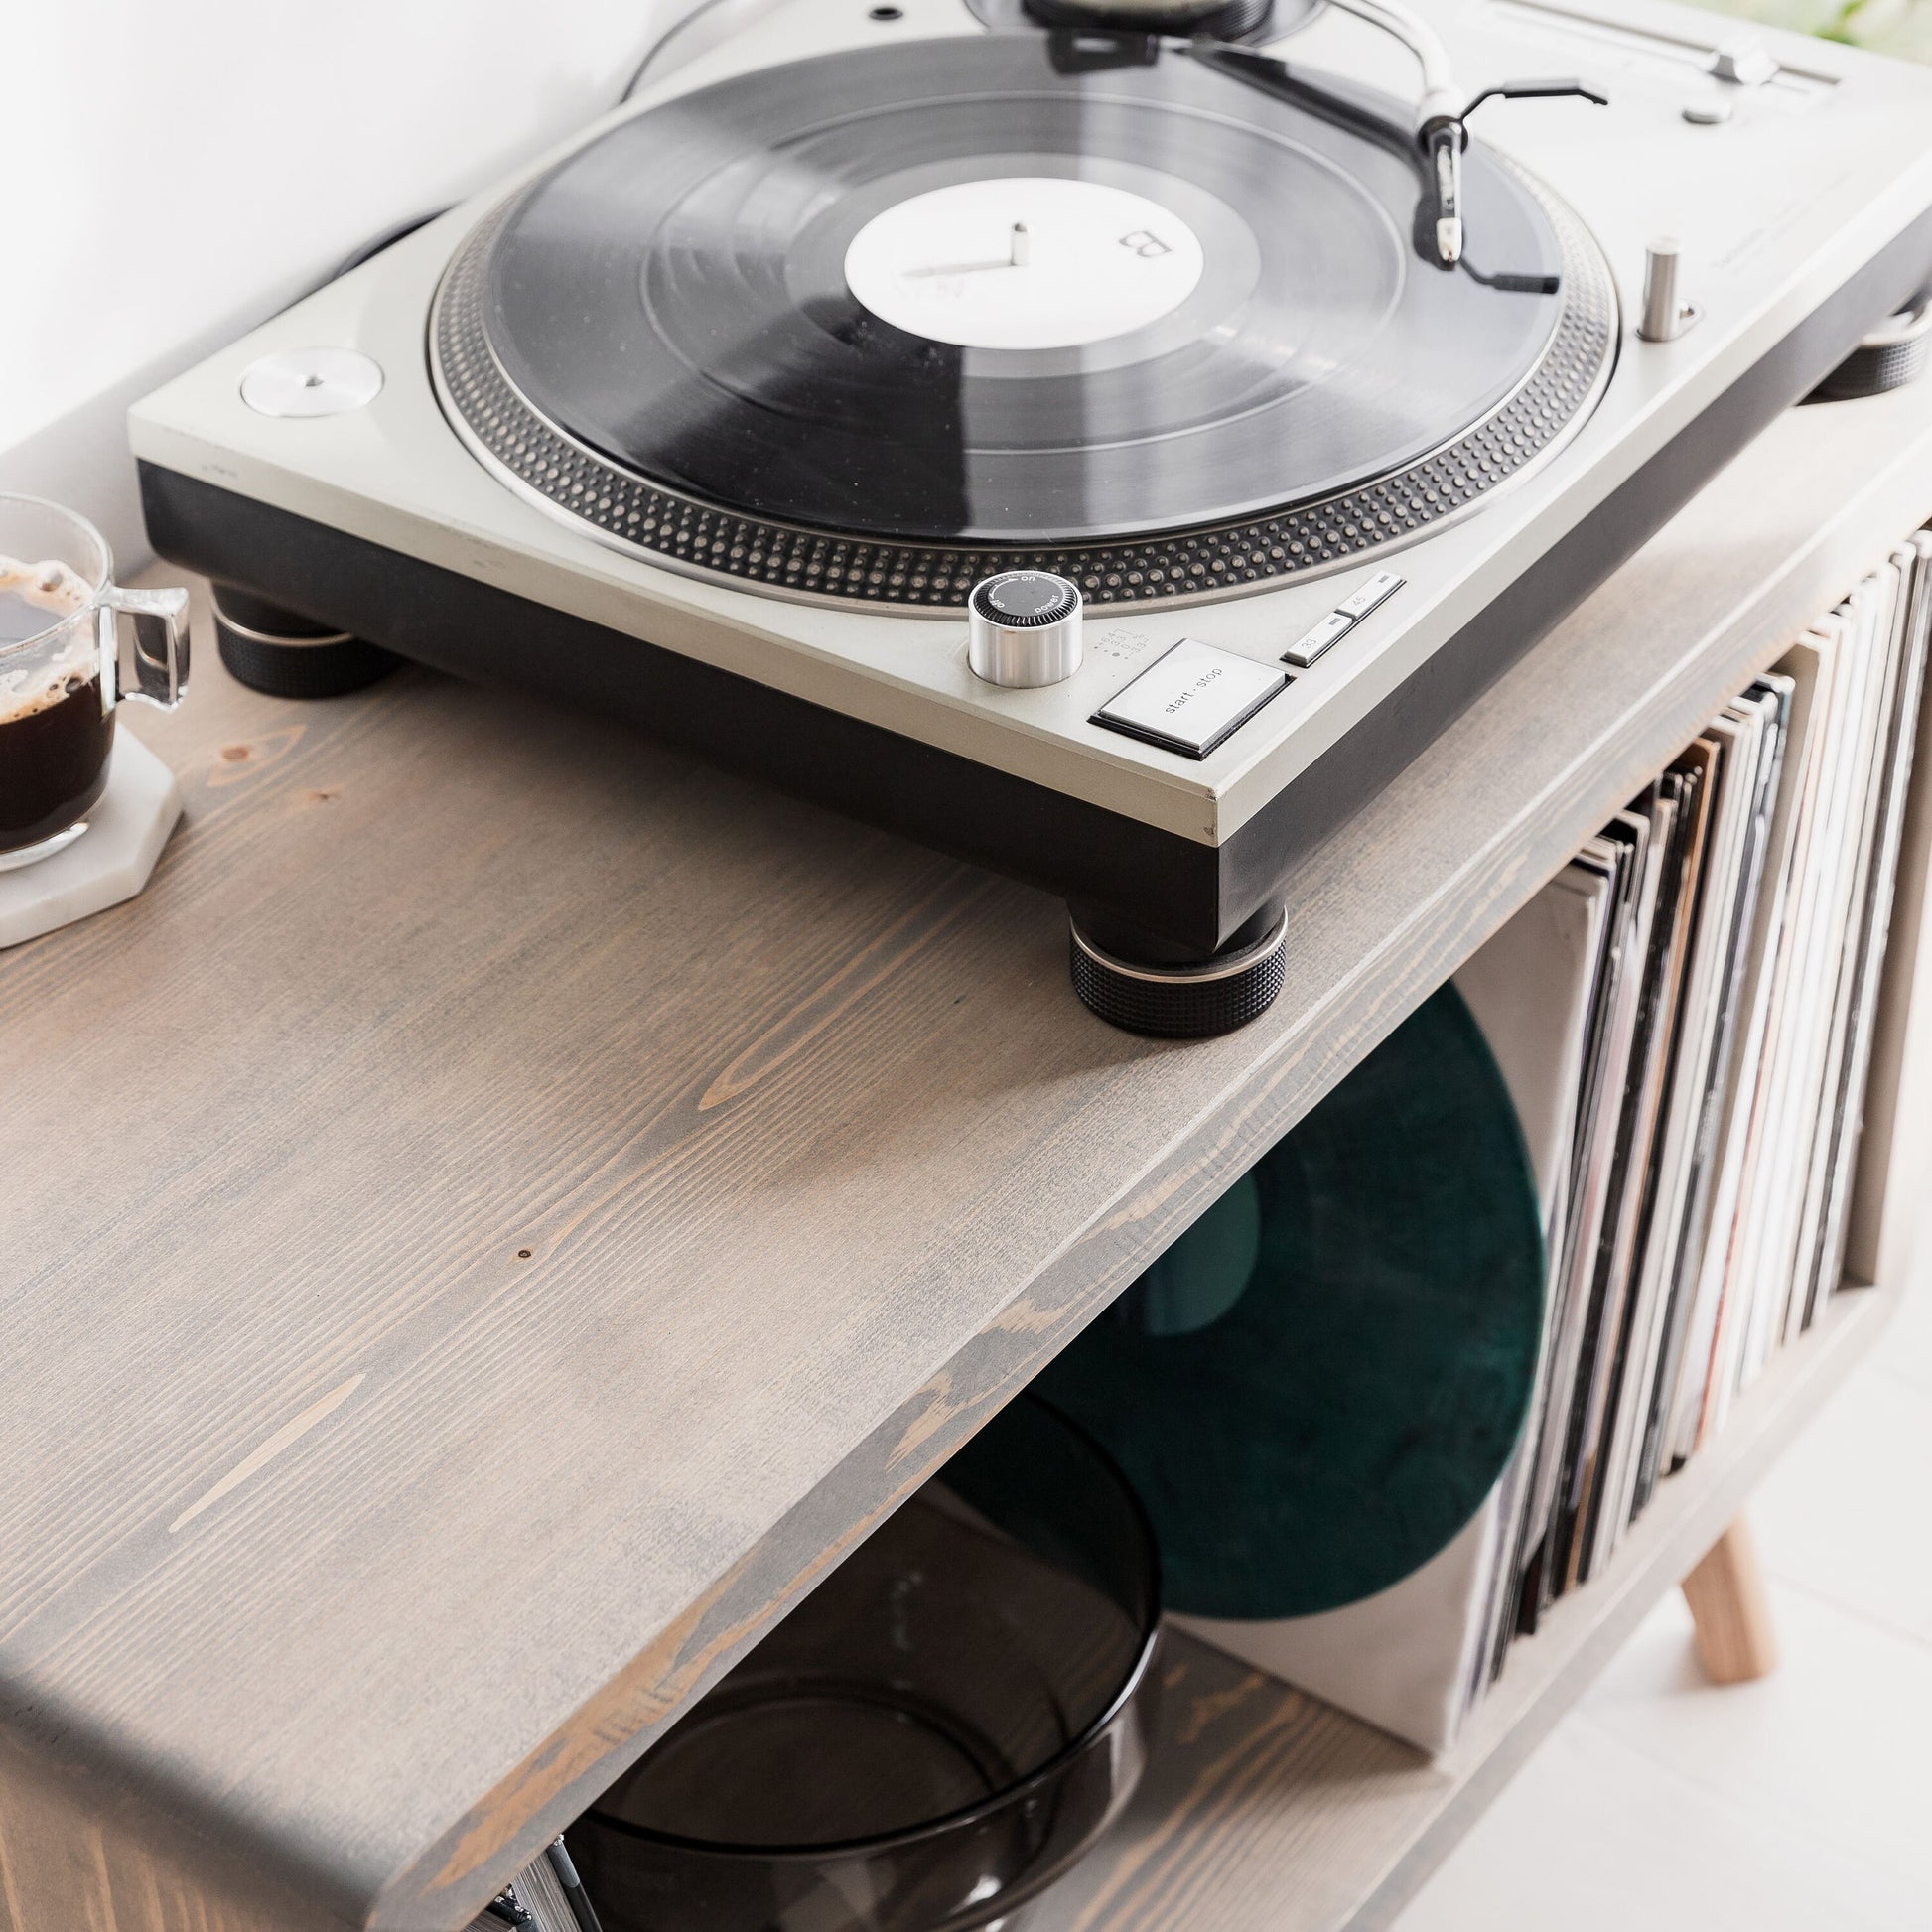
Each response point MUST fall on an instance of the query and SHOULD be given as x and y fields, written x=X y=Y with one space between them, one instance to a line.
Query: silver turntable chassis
x=1153 y=906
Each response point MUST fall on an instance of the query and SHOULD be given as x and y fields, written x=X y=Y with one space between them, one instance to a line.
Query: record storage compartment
x=1247 y=1762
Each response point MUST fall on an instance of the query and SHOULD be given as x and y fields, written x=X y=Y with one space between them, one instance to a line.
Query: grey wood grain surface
x=508 y=1208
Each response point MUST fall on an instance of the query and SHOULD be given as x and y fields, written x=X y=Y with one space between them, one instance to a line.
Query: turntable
x=1104 y=447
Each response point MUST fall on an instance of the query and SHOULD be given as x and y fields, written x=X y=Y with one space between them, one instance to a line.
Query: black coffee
x=52 y=764
x=53 y=736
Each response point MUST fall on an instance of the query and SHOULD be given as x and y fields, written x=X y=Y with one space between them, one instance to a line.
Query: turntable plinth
x=507 y=1208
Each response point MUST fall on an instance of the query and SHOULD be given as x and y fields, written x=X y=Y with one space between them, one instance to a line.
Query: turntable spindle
x=1023 y=246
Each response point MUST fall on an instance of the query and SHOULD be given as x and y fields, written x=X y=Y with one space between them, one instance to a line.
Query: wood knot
x=245 y=761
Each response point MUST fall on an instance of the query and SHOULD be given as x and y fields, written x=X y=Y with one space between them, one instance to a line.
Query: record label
x=1023 y=262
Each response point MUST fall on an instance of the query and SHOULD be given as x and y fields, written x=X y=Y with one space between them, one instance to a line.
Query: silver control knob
x=1024 y=629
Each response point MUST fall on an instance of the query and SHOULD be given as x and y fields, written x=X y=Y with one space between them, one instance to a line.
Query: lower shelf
x=1266 y=1809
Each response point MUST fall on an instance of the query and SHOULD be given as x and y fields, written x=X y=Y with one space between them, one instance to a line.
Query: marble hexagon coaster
x=110 y=863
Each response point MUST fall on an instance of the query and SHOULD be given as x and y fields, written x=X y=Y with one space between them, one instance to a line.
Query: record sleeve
x=1317 y=1388
x=1839 y=1080
x=1757 y=786
x=1627 y=836
x=1688 y=1033
x=1599 y=873
x=1851 y=1235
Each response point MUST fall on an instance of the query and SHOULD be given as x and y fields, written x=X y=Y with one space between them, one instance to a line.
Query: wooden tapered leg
x=1735 y=1639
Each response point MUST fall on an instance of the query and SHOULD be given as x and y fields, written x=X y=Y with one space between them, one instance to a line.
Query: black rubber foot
x=273 y=650
x=1894 y=354
x=1192 y=1001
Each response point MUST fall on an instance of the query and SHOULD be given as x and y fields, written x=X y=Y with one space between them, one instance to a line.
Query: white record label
x=1023 y=262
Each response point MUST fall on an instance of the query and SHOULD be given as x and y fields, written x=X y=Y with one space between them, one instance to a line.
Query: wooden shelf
x=1266 y=1811
x=508 y=1208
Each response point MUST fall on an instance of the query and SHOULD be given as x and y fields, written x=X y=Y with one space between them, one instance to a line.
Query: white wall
x=176 y=170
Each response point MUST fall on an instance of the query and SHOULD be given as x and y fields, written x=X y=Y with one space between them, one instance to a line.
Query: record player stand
x=507 y=1208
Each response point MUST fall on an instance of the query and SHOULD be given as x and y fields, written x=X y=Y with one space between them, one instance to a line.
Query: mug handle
x=148 y=657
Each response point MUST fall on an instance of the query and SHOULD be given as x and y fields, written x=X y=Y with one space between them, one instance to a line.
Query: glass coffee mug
x=73 y=644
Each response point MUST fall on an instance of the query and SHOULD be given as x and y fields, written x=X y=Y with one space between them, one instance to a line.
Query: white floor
x=1800 y=1804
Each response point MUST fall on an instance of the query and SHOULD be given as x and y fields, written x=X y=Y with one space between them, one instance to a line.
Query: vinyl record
x=1317 y=1387
x=990 y=291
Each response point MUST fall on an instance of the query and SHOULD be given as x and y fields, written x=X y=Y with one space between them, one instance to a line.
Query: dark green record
x=1316 y=1386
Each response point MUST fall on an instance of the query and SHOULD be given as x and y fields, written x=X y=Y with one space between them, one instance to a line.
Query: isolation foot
x=1897 y=353
x=275 y=652
x=1188 y=999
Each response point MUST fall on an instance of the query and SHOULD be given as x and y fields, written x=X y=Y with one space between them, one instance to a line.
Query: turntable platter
x=866 y=323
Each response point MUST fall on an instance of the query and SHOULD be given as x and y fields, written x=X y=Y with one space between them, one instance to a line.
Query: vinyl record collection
x=1720 y=940
x=548 y=1896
